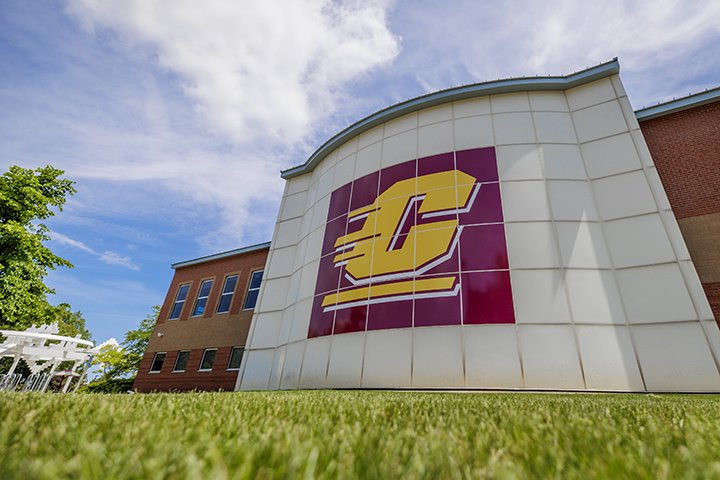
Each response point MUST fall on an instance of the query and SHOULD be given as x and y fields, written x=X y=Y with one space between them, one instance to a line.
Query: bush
x=116 y=385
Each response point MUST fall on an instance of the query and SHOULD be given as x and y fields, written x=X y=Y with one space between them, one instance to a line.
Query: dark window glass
x=202 y=298
x=179 y=301
x=208 y=359
x=181 y=361
x=227 y=294
x=235 y=358
x=158 y=362
x=253 y=290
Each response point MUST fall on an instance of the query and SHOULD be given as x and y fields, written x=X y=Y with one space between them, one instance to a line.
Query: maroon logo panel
x=417 y=244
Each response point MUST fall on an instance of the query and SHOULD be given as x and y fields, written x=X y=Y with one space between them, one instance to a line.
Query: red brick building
x=684 y=139
x=198 y=341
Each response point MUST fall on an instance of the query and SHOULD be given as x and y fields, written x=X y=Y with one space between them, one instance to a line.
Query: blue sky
x=175 y=116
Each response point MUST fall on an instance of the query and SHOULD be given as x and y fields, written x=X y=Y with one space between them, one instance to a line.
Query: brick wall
x=220 y=378
x=209 y=330
x=686 y=149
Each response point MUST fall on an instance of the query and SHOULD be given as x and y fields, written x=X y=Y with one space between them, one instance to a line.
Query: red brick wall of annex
x=210 y=330
x=685 y=146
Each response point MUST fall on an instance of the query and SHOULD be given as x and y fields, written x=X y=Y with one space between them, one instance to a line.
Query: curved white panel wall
x=604 y=295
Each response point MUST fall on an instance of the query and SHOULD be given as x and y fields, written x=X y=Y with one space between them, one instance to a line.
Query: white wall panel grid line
x=313 y=373
x=642 y=148
x=510 y=102
x=298 y=184
x=550 y=357
x=276 y=371
x=610 y=155
x=258 y=368
x=438 y=114
x=525 y=200
x=435 y=139
x=293 y=206
x=388 y=359
x=629 y=113
x=300 y=320
x=346 y=149
x=267 y=329
x=532 y=245
x=676 y=357
x=653 y=294
x=399 y=148
x=491 y=357
x=437 y=357
x=548 y=102
x=554 y=127
x=368 y=159
x=712 y=332
x=513 y=128
x=609 y=359
x=624 y=195
x=676 y=239
x=562 y=162
x=371 y=136
x=292 y=366
x=640 y=240
x=590 y=94
x=618 y=86
x=346 y=360
x=471 y=107
x=582 y=245
x=657 y=188
x=519 y=162
x=402 y=124
x=697 y=293
x=274 y=301
x=473 y=132
x=539 y=296
x=599 y=121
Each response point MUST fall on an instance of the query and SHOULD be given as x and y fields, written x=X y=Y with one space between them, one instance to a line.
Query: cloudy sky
x=176 y=116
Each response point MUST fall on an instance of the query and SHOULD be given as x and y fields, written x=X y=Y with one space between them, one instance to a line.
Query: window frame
x=202 y=359
x=231 y=356
x=153 y=362
x=231 y=294
x=198 y=298
x=247 y=292
x=175 y=370
x=175 y=302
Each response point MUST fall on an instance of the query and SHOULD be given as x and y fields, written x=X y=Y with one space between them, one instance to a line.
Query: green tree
x=123 y=360
x=28 y=196
x=70 y=323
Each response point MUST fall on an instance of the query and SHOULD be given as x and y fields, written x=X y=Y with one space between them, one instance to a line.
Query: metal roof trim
x=679 y=104
x=495 y=87
x=218 y=256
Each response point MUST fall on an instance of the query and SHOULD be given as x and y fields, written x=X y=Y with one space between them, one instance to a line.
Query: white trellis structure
x=40 y=348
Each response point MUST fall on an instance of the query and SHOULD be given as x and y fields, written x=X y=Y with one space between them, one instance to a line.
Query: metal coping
x=217 y=256
x=495 y=87
x=679 y=104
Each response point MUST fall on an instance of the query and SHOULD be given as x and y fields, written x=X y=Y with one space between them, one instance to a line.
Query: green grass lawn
x=363 y=434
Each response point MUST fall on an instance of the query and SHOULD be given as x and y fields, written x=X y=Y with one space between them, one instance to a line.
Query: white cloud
x=661 y=44
x=256 y=69
x=108 y=257
x=112 y=258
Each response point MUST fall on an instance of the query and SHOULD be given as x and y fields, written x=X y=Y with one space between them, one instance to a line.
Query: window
x=181 y=361
x=208 y=359
x=235 y=358
x=202 y=298
x=227 y=294
x=253 y=290
x=158 y=362
x=179 y=301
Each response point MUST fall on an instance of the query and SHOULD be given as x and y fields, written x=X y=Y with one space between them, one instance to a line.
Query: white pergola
x=41 y=348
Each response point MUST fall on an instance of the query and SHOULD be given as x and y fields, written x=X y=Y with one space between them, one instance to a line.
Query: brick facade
x=209 y=330
x=685 y=146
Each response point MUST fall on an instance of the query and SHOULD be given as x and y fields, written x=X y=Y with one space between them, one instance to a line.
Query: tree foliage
x=123 y=360
x=70 y=323
x=27 y=197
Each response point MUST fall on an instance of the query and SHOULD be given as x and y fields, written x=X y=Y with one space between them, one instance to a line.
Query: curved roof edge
x=218 y=256
x=495 y=87
x=679 y=104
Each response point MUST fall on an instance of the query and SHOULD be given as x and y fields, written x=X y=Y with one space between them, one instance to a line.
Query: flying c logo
x=391 y=250
x=417 y=244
